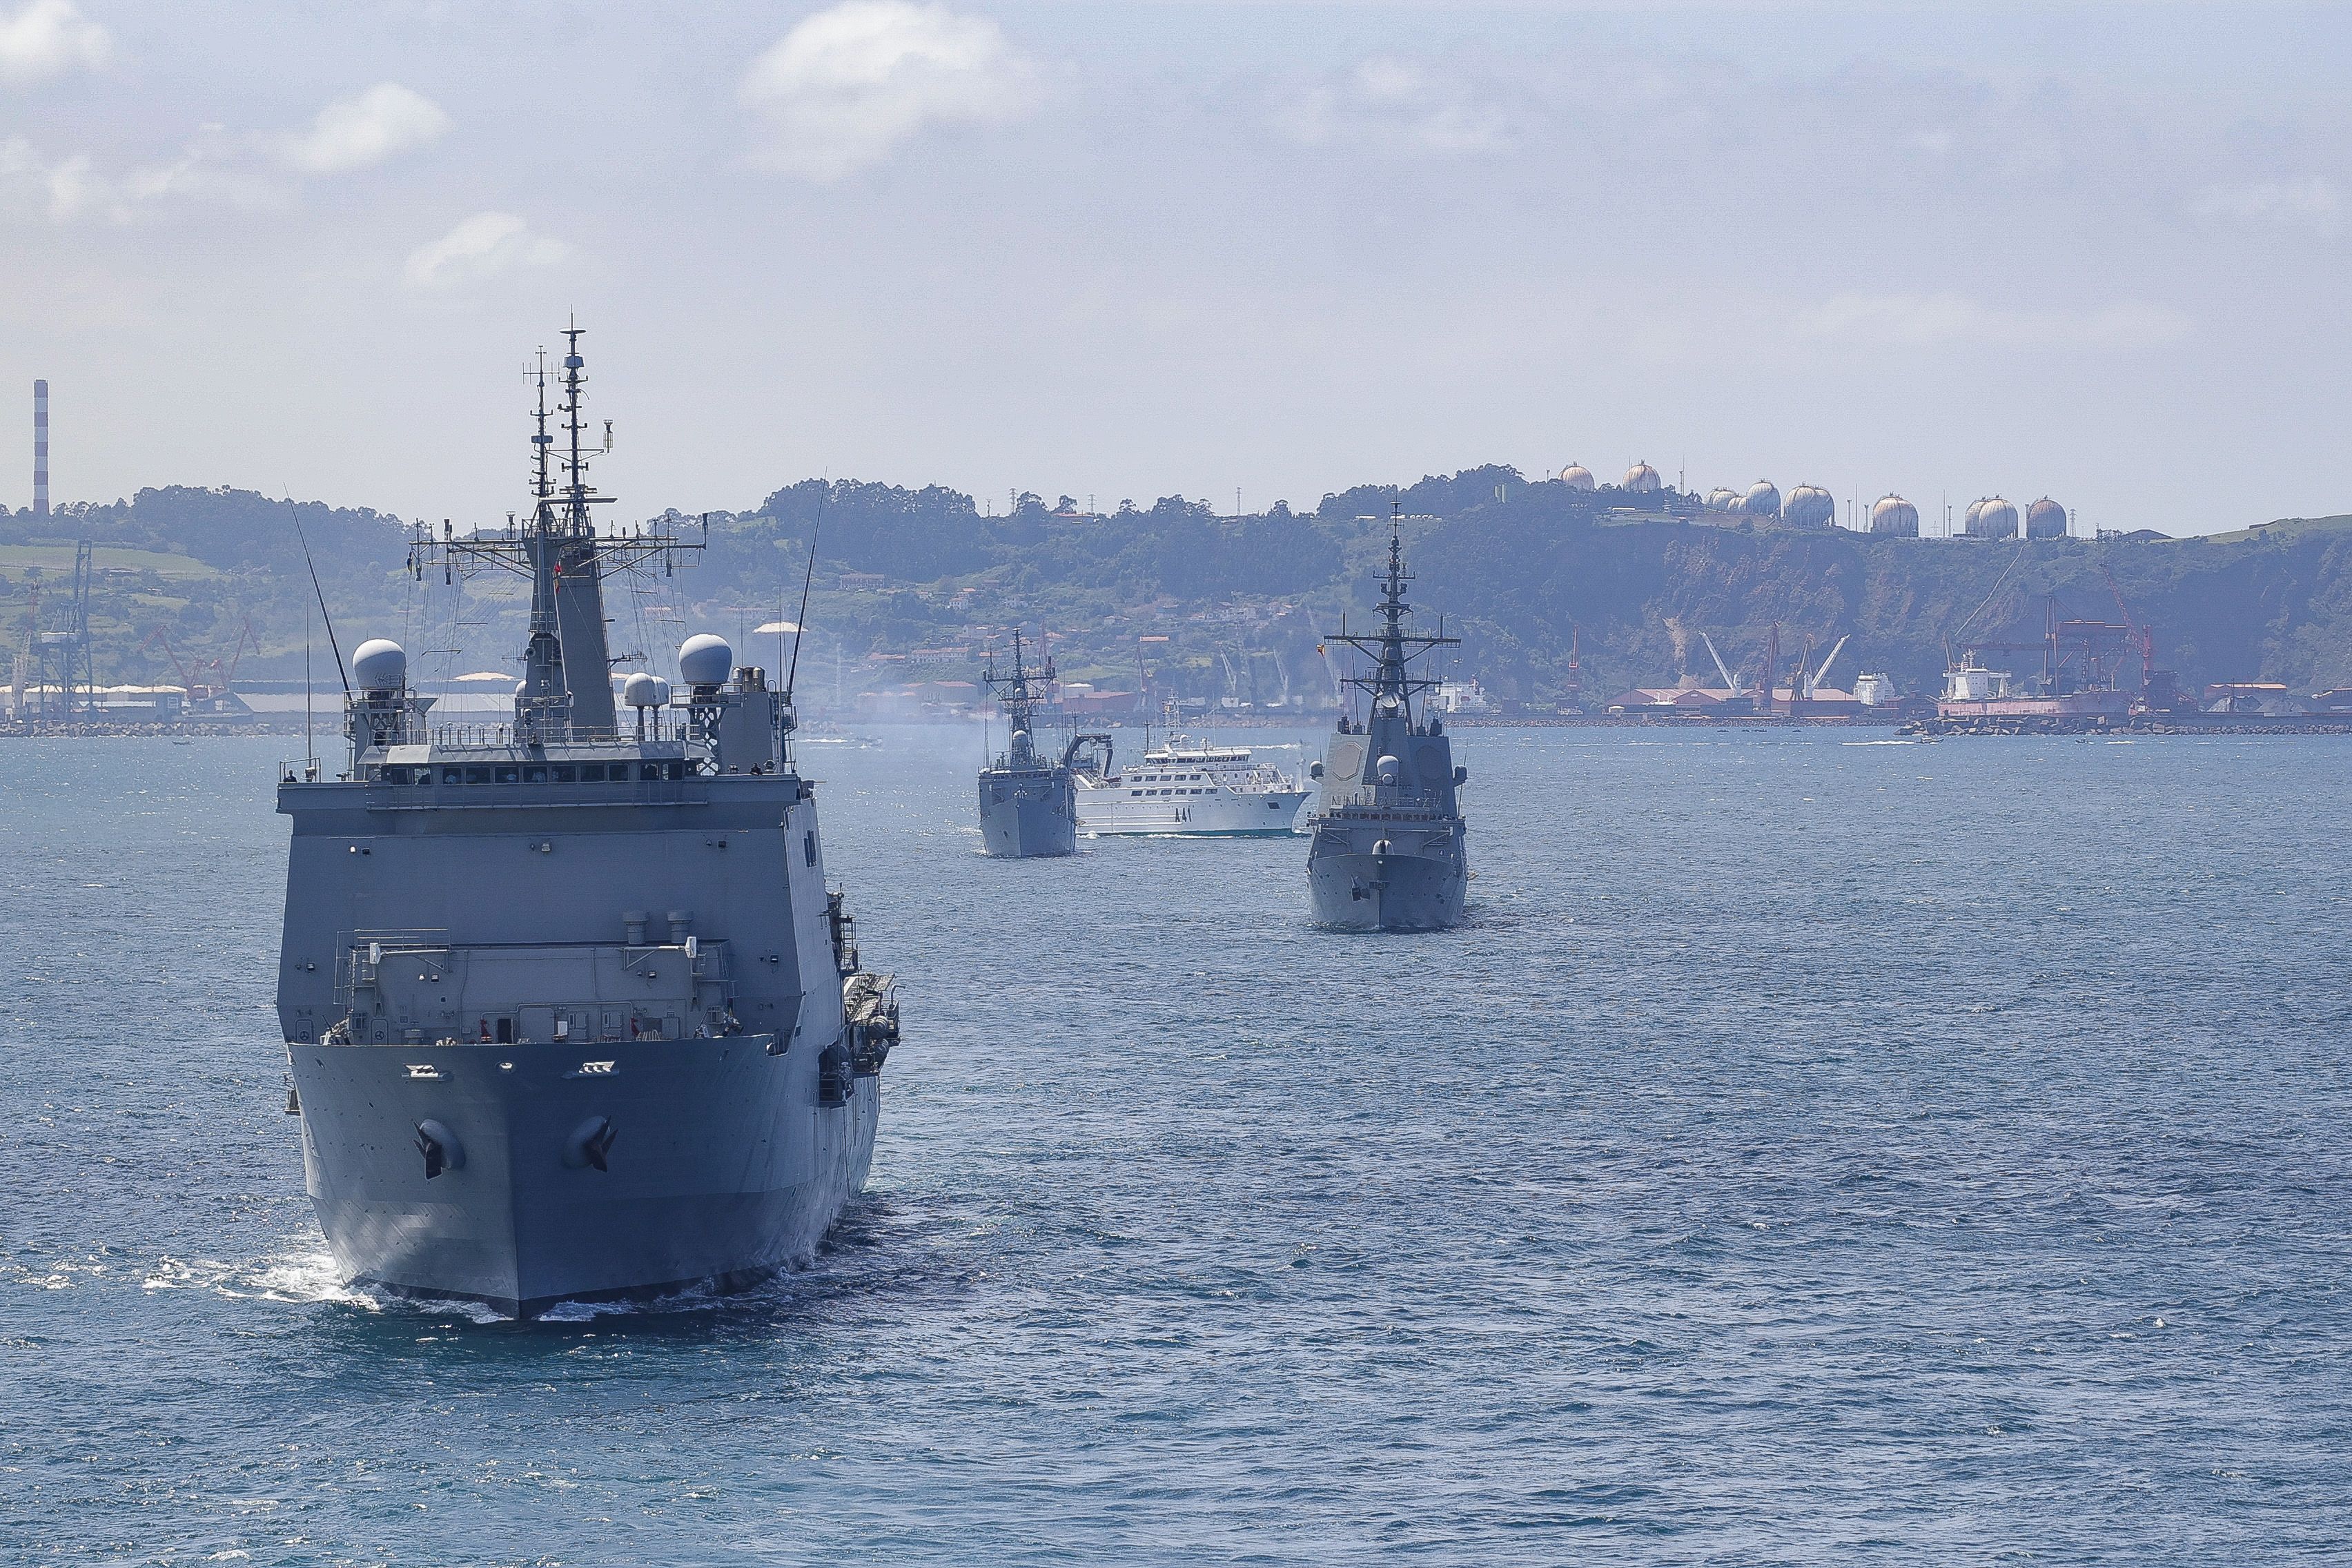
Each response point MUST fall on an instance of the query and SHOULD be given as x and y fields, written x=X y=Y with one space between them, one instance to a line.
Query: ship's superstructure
x=1028 y=803
x=1389 y=851
x=1182 y=786
x=568 y=1010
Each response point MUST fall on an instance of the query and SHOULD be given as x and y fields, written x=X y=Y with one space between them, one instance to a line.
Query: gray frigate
x=569 y=1011
x=1028 y=804
x=1389 y=851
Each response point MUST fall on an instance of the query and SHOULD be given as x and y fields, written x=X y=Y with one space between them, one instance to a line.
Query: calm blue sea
x=1814 y=1149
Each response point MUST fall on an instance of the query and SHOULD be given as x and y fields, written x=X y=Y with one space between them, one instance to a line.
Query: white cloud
x=49 y=37
x=366 y=128
x=74 y=188
x=2311 y=202
x=483 y=247
x=1396 y=103
x=847 y=86
x=1930 y=320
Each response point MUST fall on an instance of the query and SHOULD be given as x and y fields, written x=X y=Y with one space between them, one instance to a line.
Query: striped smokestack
x=40 y=449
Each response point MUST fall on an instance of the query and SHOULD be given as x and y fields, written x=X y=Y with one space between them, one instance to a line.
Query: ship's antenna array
x=808 y=575
x=561 y=544
x=296 y=514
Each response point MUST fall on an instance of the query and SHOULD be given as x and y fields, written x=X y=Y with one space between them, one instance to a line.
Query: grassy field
x=2285 y=528
x=53 y=560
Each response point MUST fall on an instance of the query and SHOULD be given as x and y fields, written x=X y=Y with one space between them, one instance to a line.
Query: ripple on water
x=1793 y=1159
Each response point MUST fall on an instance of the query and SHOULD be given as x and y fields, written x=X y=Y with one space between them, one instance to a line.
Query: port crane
x=208 y=680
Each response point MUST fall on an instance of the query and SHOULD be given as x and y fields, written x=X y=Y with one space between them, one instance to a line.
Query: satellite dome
x=645 y=690
x=1992 y=518
x=2045 y=518
x=1761 y=500
x=1893 y=514
x=380 y=664
x=1387 y=769
x=1577 y=477
x=1721 y=498
x=1642 y=478
x=705 y=659
x=1809 y=505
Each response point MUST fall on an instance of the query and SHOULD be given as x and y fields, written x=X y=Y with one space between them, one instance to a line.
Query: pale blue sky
x=1131 y=249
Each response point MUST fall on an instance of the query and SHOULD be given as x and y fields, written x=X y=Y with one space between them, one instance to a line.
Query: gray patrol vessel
x=1028 y=804
x=1389 y=849
x=568 y=1010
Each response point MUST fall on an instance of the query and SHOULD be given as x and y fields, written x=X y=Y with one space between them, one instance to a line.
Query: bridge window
x=592 y=773
x=567 y=774
x=535 y=774
x=478 y=775
x=509 y=773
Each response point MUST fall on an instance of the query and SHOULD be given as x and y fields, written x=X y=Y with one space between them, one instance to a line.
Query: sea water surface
x=1808 y=1152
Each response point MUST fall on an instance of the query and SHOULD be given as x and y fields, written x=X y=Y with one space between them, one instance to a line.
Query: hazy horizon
x=1127 y=250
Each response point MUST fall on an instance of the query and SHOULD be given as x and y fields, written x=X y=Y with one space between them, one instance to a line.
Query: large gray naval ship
x=1388 y=850
x=1028 y=804
x=569 y=1012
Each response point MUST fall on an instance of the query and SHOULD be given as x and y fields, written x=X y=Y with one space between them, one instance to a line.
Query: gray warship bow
x=569 y=1012
x=1389 y=849
x=1028 y=806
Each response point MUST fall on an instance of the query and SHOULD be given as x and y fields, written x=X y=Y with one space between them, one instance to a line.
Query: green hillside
x=913 y=584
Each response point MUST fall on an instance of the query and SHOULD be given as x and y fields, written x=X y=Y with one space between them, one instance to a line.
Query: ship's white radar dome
x=1762 y=500
x=1386 y=770
x=1809 y=505
x=1642 y=478
x=1893 y=514
x=705 y=659
x=1992 y=518
x=1577 y=477
x=380 y=664
x=645 y=690
x=2045 y=518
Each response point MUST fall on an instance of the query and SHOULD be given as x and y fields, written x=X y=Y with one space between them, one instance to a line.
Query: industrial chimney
x=40 y=449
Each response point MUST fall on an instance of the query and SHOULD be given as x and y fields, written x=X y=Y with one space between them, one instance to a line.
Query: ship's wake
x=303 y=1275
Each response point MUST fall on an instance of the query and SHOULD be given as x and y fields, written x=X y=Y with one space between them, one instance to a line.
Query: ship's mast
x=1020 y=689
x=575 y=467
x=1392 y=685
x=566 y=559
x=544 y=706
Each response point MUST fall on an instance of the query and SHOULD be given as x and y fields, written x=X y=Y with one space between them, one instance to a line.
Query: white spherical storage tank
x=1809 y=505
x=1992 y=518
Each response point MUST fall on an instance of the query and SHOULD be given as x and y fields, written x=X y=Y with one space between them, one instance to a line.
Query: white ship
x=1181 y=787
